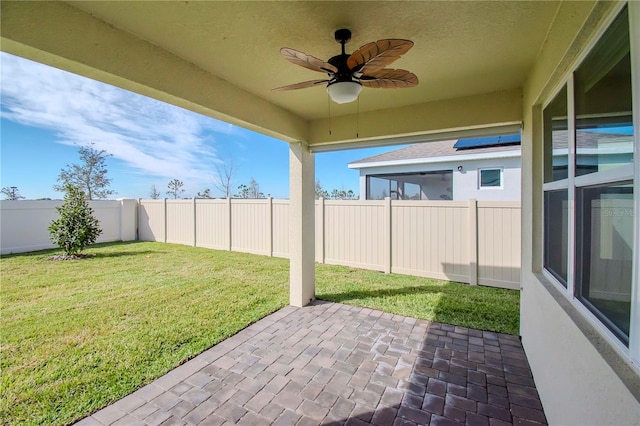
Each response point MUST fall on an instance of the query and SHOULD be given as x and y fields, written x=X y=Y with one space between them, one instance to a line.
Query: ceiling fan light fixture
x=343 y=92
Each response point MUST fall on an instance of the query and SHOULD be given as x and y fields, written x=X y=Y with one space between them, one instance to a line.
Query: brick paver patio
x=335 y=364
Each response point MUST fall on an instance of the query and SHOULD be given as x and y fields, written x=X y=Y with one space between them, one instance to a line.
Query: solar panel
x=487 y=141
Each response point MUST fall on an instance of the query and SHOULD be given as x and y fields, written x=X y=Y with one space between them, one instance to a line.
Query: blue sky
x=46 y=114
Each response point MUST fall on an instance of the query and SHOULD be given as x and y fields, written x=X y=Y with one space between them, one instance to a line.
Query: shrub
x=76 y=227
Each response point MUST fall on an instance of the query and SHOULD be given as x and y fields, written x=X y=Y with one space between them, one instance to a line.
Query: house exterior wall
x=582 y=376
x=466 y=184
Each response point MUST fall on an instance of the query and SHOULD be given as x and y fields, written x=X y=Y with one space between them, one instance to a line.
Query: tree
x=224 y=181
x=12 y=193
x=254 y=189
x=320 y=191
x=154 y=194
x=204 y=194
x=243 y=191
x=250 y=191
x=90 y=177
x=343 y=194
x=76 y=227
x=175 y=188
x=335 y=194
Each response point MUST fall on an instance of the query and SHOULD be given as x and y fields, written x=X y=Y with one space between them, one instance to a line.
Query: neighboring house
x=485 y=169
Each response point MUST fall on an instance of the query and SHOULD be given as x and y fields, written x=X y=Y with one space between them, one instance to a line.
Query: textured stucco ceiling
x=461 y=49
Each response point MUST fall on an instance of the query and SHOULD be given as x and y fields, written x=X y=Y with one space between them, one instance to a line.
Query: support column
x=302 y=225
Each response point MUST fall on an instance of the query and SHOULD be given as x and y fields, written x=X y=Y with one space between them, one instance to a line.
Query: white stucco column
x=302 y=225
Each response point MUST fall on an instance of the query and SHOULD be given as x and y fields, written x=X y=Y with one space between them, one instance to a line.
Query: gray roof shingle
x=432 y=149
x=428 y=150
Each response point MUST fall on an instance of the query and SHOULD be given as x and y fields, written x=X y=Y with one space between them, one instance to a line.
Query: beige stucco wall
x=577 y=385
x=468 y=112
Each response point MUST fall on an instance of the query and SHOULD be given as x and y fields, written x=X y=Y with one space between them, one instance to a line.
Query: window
x=434 y=185
x=411 y=191
x=556 y=138
x=589 y=217
x=605 y=254
x=604 y=137
x=556 y=206
x=377 y=189
x=556 y=221
x=490 y=178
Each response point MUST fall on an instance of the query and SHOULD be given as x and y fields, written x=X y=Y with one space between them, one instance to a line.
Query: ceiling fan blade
x=388 y=78
x=307 y=61
x=302 y=85
x=377 y=54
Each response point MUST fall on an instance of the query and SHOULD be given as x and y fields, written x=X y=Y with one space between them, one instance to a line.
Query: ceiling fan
x=349 y=73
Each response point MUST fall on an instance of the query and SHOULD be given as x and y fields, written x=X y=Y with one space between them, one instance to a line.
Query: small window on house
x=490 y=178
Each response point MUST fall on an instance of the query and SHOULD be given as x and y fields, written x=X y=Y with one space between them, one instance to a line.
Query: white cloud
x=151 y=137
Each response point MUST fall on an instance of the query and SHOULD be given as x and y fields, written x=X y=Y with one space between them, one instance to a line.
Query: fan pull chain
x=329 y=106
x=358 y=119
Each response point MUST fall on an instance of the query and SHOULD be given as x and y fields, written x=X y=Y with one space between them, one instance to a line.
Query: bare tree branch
x=223 y=181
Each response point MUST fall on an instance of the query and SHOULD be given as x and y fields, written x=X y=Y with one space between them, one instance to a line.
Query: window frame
x=629 y=172
x=396 y=186
x=490 y=188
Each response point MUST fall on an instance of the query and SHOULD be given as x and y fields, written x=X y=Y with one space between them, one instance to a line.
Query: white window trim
x=617 y=174
x=634 y=35
x=490 y=188
x=623 y=173
x=555 y=185
x=571 y=199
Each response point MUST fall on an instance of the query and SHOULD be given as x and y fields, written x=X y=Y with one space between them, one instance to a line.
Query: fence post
x=229 y=231
x=139 y=206
x=270 y=205
x=128 y=219
x=386 y=241
x=164 y=202
x=195 y=230
x=320 y=235
x=473 y=242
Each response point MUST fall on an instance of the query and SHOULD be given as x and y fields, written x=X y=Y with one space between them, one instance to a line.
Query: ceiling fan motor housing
x=340 y=62
x=343 y=36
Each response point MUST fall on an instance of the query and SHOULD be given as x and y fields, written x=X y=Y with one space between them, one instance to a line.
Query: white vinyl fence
x=24 y=224
x=472 y=242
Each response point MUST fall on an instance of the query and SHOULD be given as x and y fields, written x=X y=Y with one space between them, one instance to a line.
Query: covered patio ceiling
x=222 y=59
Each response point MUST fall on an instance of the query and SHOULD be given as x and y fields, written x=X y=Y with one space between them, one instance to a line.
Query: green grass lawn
x=77 y=335
x=479 y=307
